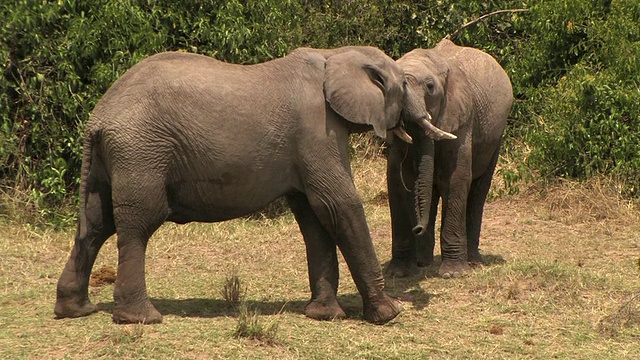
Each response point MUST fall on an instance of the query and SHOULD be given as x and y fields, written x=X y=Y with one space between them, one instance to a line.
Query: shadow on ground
x=410 y=288
x=211 y=308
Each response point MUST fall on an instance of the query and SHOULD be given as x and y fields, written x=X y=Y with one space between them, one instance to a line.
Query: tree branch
x=482 y=18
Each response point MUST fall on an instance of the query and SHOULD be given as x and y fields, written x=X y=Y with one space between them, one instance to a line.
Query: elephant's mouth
x=401 y=133
x=430 y=130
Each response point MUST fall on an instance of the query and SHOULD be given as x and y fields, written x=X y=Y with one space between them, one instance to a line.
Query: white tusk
x=433 y=132
x=400 y=133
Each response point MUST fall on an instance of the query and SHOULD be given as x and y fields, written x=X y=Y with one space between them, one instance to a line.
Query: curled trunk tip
x=419 y=230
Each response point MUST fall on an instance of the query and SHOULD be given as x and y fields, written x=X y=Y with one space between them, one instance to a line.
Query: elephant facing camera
x=461 y=97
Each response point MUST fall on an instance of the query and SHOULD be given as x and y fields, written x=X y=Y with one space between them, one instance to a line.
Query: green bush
x=574 y=67
x=585 y=110
x=60 y=57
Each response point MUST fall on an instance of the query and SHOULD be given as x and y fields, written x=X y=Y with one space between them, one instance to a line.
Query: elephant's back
x=477 y=65
x=492 y=95
x=194 y=96
x=182 y=115
x=184 y=75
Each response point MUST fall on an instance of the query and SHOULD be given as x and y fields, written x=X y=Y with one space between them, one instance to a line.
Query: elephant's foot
x=453 y=268
x=474 y=258
x=425 y=259
x=324 y=309
x=69 y=308
x=402 y=268
x=383 y=310
x=143 y=312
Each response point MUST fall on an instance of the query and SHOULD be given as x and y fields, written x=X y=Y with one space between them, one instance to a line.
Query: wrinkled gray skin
x=183 y=137
x=469 y=95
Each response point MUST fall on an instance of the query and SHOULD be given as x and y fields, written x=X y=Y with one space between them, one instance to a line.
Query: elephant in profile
x=465 y=92
x=182 y=137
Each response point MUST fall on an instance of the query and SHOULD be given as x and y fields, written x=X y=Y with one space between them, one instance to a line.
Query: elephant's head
x=427 y=75
x=365 y=86
x=432 y=101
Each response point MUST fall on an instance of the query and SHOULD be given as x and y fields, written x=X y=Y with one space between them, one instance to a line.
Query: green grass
x=553 y=279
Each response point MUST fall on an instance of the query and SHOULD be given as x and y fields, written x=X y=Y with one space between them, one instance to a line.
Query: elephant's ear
x=458 y=108
x=457 y=103
x=357 y=86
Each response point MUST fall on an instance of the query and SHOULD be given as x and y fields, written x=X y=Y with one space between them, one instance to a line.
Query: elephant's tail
x=87 y=151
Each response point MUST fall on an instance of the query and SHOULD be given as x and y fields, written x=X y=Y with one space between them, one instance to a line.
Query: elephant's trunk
x=424 y=185
x=416 y=111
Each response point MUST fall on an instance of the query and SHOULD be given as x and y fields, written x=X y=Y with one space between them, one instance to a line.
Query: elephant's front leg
x=322 y=260
x=475 y=206
x=454 y=181
x=341 y=213
x=401 y=176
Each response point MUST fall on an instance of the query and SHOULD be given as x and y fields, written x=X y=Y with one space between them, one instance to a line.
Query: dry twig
x=482 y=18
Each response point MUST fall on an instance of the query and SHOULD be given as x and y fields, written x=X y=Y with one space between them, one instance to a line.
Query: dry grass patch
x=627 y=316
x=572 y=202
x=562 y=271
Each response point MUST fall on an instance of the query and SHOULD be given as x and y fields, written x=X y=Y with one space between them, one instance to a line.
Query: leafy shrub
x=60 y=57
x=574 y=66
x=587 y=111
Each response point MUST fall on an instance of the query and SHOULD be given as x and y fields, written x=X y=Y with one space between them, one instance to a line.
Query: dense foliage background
x=575 y=66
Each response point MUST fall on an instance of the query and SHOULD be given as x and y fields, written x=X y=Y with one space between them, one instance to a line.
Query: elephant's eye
x=431 y=86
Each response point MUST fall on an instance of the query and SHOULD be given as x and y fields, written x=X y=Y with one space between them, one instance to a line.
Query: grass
x=232 y=290
x=250 y=326
x=562 y=281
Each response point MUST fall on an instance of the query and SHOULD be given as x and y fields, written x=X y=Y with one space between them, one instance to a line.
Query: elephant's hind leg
x=322 y=261
x=139 y=210
x=72 y=290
